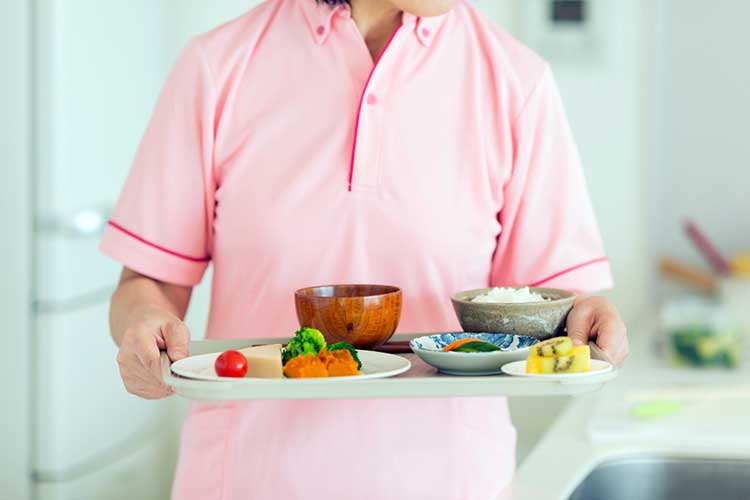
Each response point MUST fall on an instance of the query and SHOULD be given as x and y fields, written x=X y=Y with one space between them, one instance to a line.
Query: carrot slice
x=459 y=343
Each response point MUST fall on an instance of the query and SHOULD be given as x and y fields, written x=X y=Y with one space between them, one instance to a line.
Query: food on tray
x=470 y=345
x=264 y=361
x=339 y=363
x=480 y=346
x=558 y=346
x=305 y=356
x=343 y=345
x=231 y=364
x=576 y=360
x=457 y=343
x=305 y=341
x=503 y=295
x=305 y=366
x=308 y=356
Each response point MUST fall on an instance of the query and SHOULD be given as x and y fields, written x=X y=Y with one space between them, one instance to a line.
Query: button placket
x=365 y=162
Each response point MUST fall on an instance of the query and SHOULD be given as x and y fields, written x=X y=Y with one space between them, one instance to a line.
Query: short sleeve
x=162 y=223
x=549 y=234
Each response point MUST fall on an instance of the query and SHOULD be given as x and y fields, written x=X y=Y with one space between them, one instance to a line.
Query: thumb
x=579 y=324
x=177 y=338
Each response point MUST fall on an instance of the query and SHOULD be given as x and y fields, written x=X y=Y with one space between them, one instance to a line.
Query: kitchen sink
x=660 y=478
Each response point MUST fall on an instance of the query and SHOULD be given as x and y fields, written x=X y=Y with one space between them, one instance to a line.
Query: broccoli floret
x=343 y=345
x=305 y=341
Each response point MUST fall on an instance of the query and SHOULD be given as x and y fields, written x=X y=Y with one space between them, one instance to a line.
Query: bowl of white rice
x=536 y=312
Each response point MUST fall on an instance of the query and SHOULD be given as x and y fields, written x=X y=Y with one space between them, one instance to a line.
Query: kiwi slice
x=578 y=361
x=558 y=346
x=575 y=363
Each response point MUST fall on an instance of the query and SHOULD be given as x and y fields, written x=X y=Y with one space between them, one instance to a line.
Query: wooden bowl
x=365 y=316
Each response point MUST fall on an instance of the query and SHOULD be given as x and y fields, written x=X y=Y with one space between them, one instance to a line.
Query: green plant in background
x=704 y=347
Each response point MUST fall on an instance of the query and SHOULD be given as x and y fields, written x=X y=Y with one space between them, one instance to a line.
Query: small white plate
x=374 y=365
x=518 y=369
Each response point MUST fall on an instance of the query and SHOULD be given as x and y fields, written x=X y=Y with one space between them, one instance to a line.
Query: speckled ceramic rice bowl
x=540 y=320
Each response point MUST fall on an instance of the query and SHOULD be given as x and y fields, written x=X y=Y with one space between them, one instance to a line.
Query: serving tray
x=421 y=381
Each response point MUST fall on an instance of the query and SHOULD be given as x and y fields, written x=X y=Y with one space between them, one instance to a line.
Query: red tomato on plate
x=231 y=364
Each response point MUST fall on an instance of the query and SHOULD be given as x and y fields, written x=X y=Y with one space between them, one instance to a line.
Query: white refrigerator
x=97 y=70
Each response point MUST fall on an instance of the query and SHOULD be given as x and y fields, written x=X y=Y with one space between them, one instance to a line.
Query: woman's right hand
x=150 y=330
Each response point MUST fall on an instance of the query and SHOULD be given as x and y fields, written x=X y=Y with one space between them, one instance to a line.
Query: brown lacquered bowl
x=363 y=315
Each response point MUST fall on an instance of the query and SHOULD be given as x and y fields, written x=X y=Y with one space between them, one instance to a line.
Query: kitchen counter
x=711 y=423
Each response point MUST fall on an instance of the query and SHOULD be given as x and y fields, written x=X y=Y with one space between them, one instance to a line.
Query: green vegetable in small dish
x=476 y=346
x=343 y=345
x=305 y=341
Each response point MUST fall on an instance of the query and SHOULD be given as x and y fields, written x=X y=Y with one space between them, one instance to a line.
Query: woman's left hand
x=597 y=318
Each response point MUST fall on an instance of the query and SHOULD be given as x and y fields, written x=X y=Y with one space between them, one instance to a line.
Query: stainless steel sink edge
x=663 y=476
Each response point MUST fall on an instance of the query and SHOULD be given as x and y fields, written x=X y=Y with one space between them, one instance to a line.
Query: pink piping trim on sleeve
x=568 y=270
x=361 y=101
x=158 y=247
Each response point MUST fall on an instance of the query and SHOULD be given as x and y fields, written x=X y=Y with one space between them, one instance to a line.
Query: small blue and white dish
x=512 y=348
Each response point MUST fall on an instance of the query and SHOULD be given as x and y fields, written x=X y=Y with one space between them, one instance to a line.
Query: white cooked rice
x=508 y=296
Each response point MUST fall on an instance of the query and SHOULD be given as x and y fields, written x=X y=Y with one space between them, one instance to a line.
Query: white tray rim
x=406 y=385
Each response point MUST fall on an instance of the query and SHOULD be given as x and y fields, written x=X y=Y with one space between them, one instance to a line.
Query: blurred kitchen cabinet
x=15 y=248
x=124 y=479
x=83 y=413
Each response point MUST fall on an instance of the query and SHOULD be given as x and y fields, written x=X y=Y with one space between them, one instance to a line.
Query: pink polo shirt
x=282 y=154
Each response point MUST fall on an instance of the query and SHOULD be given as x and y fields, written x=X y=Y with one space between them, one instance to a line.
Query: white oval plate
x=374 y=365
x=518 y=369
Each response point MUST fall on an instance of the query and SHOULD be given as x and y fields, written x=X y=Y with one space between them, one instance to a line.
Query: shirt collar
x=320 y=18
x=424 y=28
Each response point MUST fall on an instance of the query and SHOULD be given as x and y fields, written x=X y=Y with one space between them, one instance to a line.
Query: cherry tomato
x=231 y=364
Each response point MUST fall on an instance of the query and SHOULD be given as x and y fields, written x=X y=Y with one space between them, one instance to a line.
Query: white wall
x=15 y=250
x=702 y=157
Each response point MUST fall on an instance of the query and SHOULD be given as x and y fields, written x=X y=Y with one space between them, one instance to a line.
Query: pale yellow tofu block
x=264 y=361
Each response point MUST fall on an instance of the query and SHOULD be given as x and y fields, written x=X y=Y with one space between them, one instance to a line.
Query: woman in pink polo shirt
x=408 y=142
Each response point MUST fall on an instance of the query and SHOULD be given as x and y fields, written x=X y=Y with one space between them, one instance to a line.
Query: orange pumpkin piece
x=458 y=343
x=339 y=363
x=307 y=366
